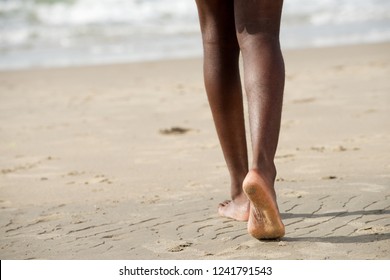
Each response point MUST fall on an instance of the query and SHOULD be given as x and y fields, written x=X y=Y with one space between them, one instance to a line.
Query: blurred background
x=42 y=33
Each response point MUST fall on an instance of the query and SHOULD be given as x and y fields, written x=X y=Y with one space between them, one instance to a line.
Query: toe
x=223 y=204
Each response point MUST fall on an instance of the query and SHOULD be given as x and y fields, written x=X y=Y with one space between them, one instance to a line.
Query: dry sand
x=122 y=162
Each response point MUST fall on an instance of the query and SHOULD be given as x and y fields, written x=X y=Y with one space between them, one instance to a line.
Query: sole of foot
x=264 y=217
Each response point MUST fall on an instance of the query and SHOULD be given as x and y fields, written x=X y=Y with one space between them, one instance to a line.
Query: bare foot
x=237 y=208
x=264 y=218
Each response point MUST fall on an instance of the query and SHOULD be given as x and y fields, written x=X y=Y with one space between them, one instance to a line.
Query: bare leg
x=257 y=24
x=223 y=87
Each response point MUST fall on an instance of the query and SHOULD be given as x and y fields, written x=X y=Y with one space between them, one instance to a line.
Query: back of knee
x=260 y=40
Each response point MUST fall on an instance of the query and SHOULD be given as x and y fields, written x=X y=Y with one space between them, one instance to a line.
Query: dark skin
x=252 y=28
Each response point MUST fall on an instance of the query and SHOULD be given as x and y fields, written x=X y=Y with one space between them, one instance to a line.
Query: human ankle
x=239 y=197
x=236 y=191
x=267 y=170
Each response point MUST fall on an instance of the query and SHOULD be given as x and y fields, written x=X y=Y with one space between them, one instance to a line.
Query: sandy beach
x=123 y=162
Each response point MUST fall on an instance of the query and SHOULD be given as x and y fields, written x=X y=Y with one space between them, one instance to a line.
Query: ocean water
x=42 y=33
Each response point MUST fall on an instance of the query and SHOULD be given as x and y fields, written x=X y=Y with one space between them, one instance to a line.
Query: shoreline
x=121 y=161
x=190 y=57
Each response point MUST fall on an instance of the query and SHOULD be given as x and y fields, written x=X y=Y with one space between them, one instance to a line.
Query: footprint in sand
x=175 y=130
x=90 y=180
x=180 y=247
x=330 y=177
x=25 y=166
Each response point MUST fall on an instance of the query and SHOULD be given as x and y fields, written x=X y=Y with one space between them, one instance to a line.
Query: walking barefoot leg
x=223 y=87
x=257 y=25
